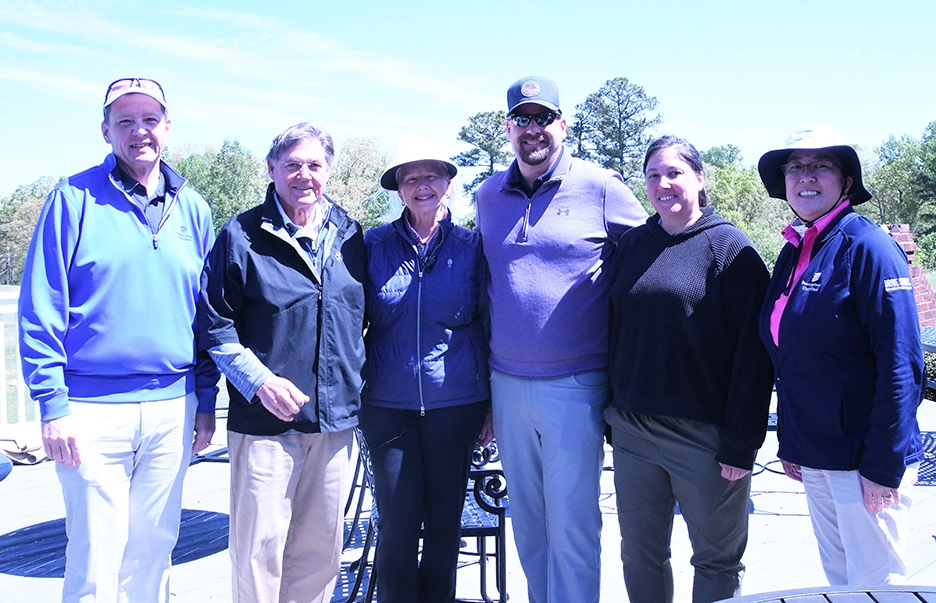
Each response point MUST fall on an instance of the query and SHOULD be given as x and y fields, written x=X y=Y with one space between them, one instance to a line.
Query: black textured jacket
x=684 y=339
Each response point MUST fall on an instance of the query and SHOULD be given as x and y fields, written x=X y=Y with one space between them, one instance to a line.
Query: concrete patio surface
x=781 y=553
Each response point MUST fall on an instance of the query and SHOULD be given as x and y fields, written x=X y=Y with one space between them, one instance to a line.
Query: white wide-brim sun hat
x=412 y=149
x=812 y=138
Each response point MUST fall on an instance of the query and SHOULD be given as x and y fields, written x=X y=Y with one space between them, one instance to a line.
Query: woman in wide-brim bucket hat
x=840 y=324
x=770 y=164
x=427 y=396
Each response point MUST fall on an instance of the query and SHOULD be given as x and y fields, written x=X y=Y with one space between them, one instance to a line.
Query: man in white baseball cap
x=108 y=349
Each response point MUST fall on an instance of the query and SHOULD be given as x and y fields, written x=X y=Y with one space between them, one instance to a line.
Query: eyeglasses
x=542 y=119
x=795 y=169
x=293 y=167
x=134 y=82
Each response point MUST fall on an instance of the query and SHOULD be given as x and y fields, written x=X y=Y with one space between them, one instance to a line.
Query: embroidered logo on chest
x=814 y=283
x=184 y=233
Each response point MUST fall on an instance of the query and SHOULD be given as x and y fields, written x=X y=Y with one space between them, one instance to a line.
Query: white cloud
x=65 y=86
x=282 y=62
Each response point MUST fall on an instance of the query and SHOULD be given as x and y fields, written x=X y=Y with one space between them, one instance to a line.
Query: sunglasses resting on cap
x=132 y=85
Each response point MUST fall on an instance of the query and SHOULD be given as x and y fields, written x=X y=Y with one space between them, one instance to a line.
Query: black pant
x=420 y=473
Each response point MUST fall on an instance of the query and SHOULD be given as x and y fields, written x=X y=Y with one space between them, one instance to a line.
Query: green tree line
x=231 y=179
x=610 y=127
x=614 y=125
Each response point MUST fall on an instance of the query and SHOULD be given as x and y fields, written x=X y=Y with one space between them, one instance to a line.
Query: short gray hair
x=298 y=133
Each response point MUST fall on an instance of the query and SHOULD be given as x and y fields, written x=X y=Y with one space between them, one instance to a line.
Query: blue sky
x=739 y=72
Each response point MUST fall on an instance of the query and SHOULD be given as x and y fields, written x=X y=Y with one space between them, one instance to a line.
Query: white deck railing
x=11 y=374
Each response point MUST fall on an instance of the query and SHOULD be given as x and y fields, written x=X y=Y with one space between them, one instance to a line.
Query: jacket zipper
x=168 y=207
x=789 y=284
x=165 y=216
x=422 y=405
x=321 y=397
x=419 y=288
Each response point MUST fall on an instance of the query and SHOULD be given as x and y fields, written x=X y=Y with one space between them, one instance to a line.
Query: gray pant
x=659 y=461
x=549 y=432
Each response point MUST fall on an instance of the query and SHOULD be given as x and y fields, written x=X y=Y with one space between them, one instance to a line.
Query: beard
x=538 y=155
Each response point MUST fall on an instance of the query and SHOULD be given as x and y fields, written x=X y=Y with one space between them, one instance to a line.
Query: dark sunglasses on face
x=542 y=119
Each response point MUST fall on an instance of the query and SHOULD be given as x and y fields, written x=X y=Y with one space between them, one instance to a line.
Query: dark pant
x=659 y=461
x=420 y=473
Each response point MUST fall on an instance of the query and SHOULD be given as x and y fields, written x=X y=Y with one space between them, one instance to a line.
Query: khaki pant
x=855 y=546
x=287 y=515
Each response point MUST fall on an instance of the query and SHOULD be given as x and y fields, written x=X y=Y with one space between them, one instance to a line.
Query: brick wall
x=925 y=296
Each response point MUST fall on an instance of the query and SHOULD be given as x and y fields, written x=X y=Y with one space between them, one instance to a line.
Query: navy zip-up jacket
x=425 y=339
x=849 y=367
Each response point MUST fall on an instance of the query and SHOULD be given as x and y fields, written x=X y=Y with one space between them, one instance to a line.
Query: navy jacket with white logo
x=849 y=367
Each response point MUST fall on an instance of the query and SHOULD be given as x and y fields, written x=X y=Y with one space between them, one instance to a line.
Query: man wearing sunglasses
x=548 y=224
x=107 y=314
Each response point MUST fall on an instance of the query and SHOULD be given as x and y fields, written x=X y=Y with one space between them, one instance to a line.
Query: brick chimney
x=925 y=296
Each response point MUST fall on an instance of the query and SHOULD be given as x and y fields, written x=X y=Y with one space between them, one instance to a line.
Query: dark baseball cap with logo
x=533 y=89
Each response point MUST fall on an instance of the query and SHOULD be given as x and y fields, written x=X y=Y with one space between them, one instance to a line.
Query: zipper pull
x=155 y=241
x=526 y=222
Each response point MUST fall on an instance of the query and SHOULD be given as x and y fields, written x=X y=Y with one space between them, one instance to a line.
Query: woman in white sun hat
x=840 y=323
x=427 y=394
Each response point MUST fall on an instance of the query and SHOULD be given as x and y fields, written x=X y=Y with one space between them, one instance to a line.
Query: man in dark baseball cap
x=548 y=223
x=533 y=89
